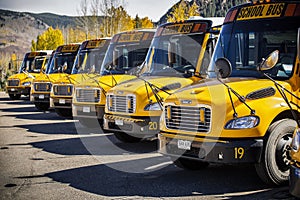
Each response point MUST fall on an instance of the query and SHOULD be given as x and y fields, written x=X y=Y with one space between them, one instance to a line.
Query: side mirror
x=223 y=67
x=171 y=54
x=270 y=61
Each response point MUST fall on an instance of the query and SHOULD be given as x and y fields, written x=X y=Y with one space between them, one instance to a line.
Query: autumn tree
x=182 y=11
x=142 y=22
x=83 y=20
x=120 y=20
x=48 y=40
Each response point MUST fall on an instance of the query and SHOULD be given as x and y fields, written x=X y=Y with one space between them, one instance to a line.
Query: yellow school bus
x=60 y=66
x=20 y=83
x=238 y=116
x=88 y=62
x=178 y=55
x=127 y=50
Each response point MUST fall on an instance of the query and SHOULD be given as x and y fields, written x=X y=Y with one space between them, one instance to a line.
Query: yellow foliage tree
x=183 y=11
x=146 y=23
x=48 y=40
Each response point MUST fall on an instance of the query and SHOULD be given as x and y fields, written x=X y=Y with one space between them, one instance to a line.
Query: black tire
x=124 y=137
x=189 y=164
x=66 y=113
x=14 y=96
x=42 y=106
x=274 y=166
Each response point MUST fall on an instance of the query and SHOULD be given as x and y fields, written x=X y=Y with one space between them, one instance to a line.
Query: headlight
x=26 y=84
x=242 y=122
x=296 y=141
x=152 y=106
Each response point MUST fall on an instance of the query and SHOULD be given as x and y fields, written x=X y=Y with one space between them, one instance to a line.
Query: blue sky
x=154 y=9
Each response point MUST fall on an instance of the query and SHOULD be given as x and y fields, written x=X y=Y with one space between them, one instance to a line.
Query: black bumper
x=295 y=181
x=41 y=98
x=143 y=126
x=17 y=90
x=65 y=103
x=226 y=152
x=88 y=111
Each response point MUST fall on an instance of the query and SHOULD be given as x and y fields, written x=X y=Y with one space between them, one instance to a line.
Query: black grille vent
x=63 y=90
x=42 y=87
x=263 y=93
x=13 y=82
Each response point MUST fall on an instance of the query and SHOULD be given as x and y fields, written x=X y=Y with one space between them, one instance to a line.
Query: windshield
x=122 y=58
x=172 y=55
x=27 y=64
x=246 y=43
x=38 y=64
x=88 y=61
x=62 y=63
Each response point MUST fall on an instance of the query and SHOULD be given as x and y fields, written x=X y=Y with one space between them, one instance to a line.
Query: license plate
x=41 y=96
x=86 y=109
x=62 y=101
x=119 y=122
x=184 y=144
x=12 y=89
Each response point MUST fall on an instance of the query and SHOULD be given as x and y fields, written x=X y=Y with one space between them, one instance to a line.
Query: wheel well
x=287 y=114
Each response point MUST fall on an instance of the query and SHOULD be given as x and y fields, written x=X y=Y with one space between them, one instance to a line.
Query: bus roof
x=216 y=21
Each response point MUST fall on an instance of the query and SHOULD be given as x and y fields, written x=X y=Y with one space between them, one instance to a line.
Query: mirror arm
x=240 y=98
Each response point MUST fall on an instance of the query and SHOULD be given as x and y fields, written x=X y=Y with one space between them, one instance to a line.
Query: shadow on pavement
x=94 y=145
x=166 y=182
x=51 y=128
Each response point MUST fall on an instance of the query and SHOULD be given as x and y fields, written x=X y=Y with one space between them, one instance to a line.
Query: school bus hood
x=50 y=77
x=68 y=79
x=106 y=81
x=24 y=77
x=211 y=90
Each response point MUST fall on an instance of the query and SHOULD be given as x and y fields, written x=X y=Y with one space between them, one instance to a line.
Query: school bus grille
x=13 y=82
x=63 y=90
x=88 y=95
x=195 y=119
x=42 y=87
x=121 y=104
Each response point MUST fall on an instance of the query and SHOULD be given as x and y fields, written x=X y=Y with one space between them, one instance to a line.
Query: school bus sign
x=261 y=11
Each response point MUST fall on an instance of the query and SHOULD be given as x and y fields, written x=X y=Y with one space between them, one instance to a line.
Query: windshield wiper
x=240 y=98
x=155 y=91
x=98 y=82
x=28 y=74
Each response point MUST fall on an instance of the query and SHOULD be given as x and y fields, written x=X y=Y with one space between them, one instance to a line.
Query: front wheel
x=14 y=96
x=42 y=106
x=190 y=164
x=274 y=166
